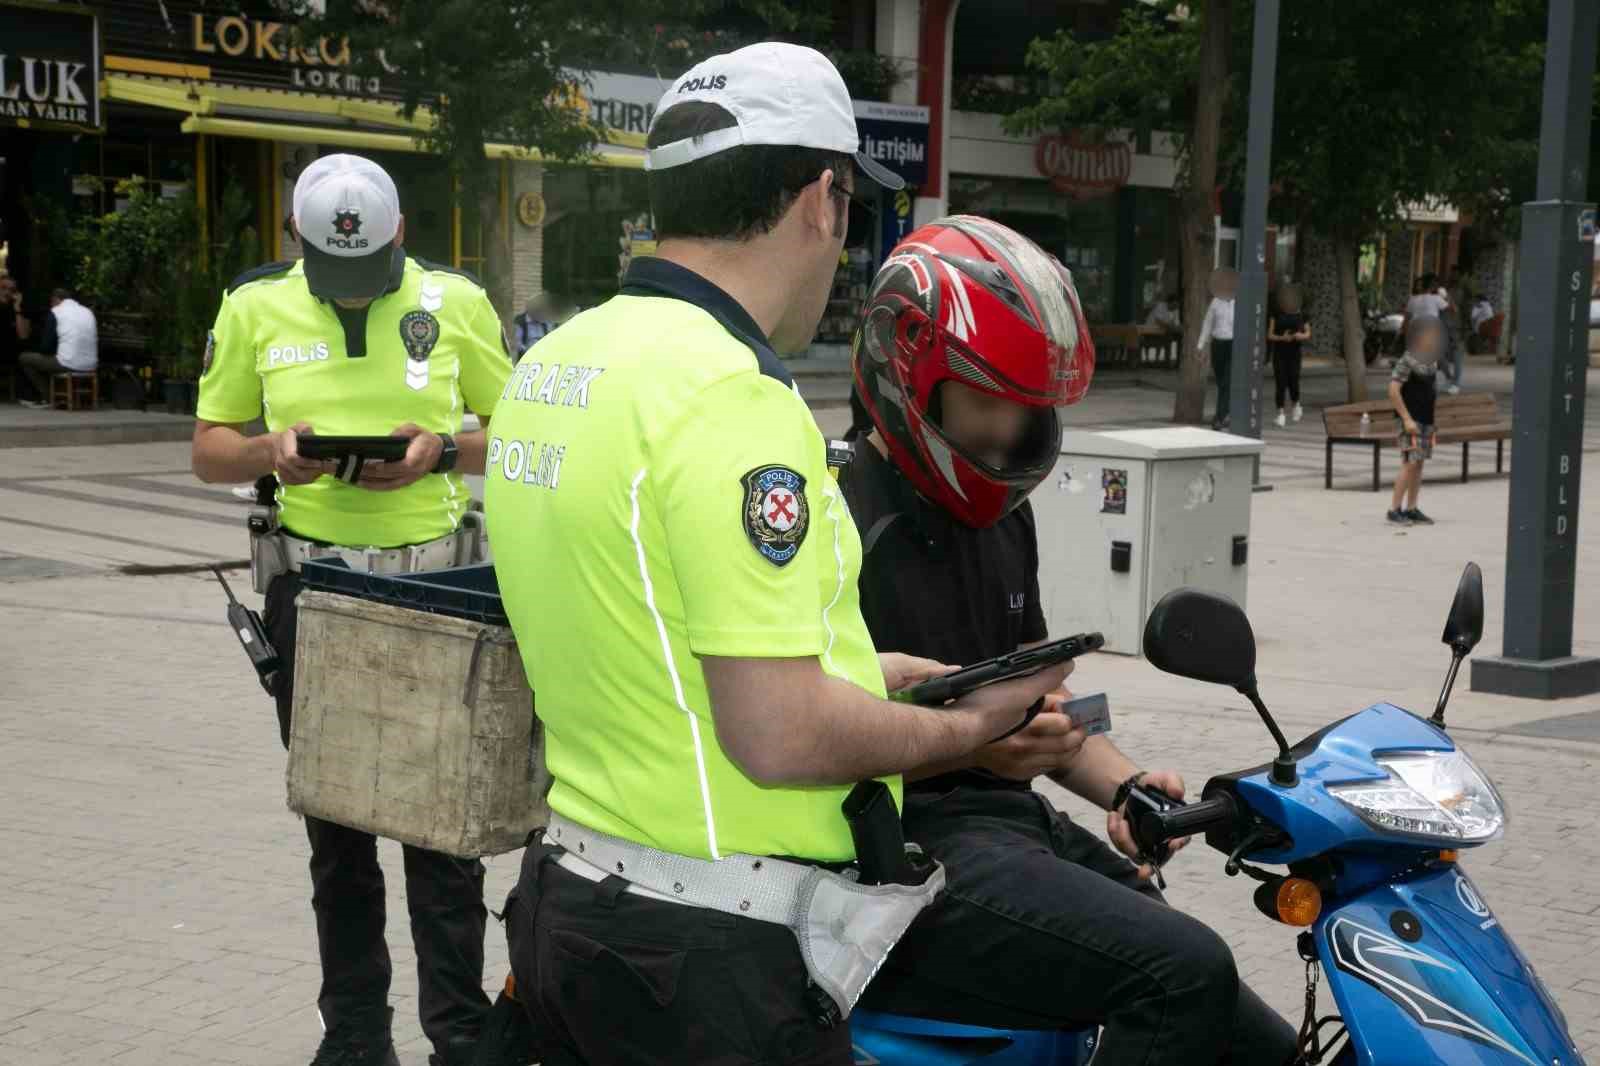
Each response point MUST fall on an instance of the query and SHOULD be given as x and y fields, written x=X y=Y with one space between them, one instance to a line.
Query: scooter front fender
x=1424 y=974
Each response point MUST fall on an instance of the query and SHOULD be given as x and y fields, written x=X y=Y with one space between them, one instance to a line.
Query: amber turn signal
x=1290 y=900
x=1299 y=901
x=1449 y=856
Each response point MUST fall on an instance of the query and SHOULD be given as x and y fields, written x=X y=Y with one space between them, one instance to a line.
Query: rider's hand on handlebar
x=1168 y=781
x=1046 y=745
x=1000 y=707
x=903 y=671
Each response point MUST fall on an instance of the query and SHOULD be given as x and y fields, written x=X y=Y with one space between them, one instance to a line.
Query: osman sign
x=49 y=67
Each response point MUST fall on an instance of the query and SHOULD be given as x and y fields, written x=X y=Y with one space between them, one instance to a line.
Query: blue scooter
x=1368 y=815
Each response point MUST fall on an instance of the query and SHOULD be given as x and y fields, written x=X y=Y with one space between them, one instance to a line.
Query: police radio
x=247 y=626
x=841 y=453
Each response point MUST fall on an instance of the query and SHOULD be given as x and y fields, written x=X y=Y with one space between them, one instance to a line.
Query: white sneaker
x=1454 y=390
x=1299 y=412
x=1280 y=420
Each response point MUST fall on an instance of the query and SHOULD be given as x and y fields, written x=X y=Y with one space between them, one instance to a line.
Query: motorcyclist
x=971 y=340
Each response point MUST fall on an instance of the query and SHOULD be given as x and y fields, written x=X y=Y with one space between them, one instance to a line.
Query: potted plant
x=147 y=275
x=202 y=277
x=121 y=265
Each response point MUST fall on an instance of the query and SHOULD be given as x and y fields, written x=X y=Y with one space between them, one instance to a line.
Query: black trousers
x=1043 y=926
x=1221 y=367
x=611 y=978
x=1286 y=362
x=444 y=896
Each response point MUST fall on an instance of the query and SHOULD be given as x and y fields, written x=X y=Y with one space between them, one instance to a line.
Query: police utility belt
x=845 y=928
x=274 y=551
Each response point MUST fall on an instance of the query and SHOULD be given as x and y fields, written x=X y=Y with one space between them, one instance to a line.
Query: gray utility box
x=1126 y=517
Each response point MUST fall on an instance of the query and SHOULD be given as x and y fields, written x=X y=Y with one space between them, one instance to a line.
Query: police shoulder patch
x=210 y=353
x=776 y=516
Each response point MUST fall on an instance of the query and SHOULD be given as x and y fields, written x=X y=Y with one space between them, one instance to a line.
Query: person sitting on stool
x=68 y=342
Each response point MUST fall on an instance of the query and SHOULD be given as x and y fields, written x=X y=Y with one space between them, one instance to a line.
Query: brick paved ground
x=153 y=893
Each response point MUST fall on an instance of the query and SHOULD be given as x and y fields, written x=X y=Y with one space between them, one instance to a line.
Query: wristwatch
x=1121 y=795
x=447 y=456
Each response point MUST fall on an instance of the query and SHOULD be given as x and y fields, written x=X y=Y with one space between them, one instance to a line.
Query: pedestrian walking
x=1288 y=329
x=1216 y=337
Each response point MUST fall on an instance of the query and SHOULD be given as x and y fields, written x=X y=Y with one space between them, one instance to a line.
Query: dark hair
x=739 y=192
x=60 y=294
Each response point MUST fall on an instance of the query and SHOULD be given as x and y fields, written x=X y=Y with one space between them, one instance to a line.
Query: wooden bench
x=1466 y=419
x=1115 y=344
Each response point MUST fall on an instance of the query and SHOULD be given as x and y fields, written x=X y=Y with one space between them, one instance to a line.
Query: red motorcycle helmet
x=966 y=299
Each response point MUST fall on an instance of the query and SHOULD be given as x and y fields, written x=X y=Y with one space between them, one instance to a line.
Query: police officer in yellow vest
x=358 y=339
x=680 y=571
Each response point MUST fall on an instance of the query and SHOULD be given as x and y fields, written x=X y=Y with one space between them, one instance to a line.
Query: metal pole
x=1557 y=266
x=1249 y=321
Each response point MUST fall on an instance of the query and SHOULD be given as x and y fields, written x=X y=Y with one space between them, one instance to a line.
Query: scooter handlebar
x=1157 y=827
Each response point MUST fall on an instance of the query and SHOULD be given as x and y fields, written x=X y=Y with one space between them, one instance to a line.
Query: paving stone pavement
x=153 y=890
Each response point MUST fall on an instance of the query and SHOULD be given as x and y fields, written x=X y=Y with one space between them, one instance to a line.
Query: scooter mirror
x=1464 y=628
x=1203 y=636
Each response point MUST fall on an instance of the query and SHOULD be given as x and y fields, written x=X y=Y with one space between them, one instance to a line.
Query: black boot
x=458 y=1051
x=507 y=1038
x=359 y=1041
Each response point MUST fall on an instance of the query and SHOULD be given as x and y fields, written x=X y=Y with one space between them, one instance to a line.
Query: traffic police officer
x=359 y=339
x=680 y=571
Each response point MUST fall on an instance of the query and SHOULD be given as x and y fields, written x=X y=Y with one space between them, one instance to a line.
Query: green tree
x=1377 y=106
x=1131 y=81
x=1381 y=106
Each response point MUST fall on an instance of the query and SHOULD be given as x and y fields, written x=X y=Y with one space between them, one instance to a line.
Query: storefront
x=227 y=103
x=50 y=104
x=895 y=135
x=1105 y=209
x=224 y=102
x=592 y=220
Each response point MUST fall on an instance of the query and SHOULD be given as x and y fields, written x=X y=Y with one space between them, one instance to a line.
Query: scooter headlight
x=1437 y=794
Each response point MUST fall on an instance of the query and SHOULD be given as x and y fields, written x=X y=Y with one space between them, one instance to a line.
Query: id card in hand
x=1092 y=712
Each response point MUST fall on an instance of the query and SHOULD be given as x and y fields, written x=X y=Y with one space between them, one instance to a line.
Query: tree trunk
x=1196 y=226
x=1355 y=360
x=496 y=254
x=1505 y=347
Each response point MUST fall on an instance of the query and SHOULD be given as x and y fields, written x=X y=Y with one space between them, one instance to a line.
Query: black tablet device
x=367 y=449
x=941 y=690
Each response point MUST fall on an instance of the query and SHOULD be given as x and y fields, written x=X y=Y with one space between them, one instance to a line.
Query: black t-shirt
x=1283 y=324
x=10 y=344
x=933 y=587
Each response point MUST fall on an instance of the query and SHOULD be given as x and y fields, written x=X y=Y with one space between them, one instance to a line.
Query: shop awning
x=354 y=138
x=305 y=118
